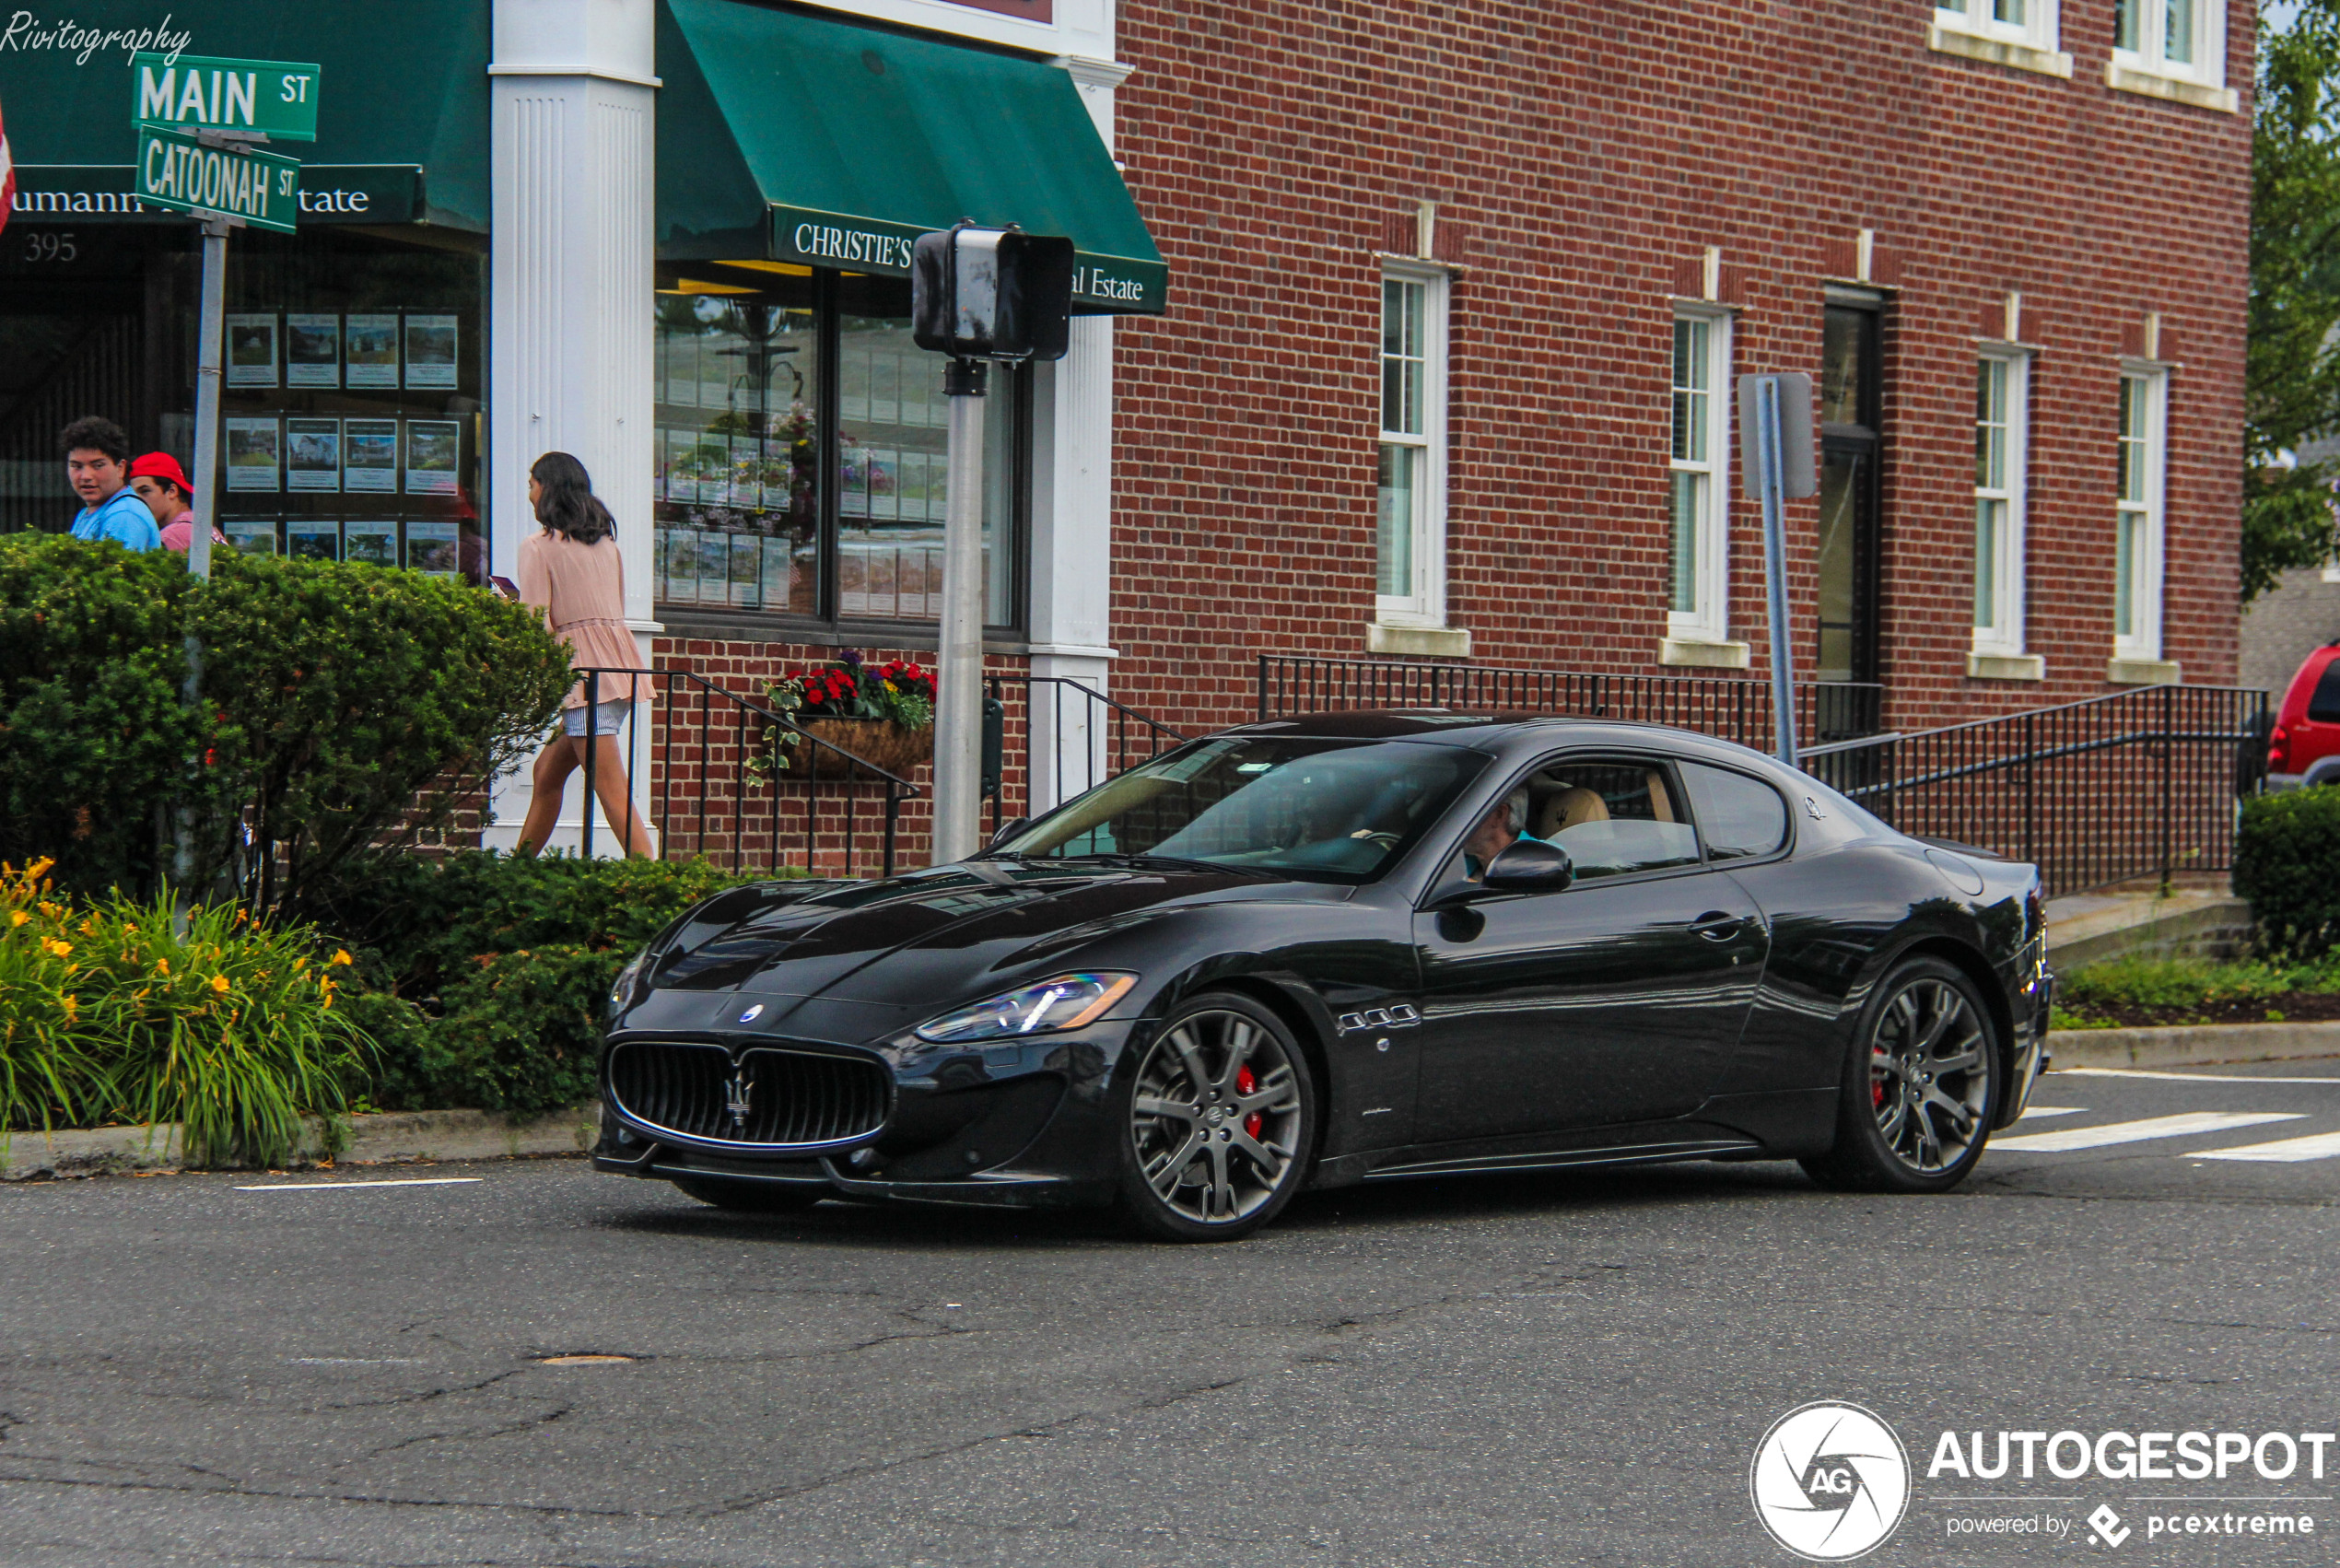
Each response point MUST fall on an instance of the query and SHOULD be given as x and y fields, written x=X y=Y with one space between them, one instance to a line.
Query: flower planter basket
x=880 y=743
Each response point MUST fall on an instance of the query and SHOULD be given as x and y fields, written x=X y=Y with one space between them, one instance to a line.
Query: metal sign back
x=276 y=98
x=1798 y=477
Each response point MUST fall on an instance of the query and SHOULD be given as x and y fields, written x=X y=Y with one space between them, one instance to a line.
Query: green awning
x=796 y=139
x=402 y=120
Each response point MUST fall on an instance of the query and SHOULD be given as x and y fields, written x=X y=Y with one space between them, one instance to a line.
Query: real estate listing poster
x=716 y=358
x=255 y=448
x=746 y=465
x=682 y=369
x=374 y=541
x=747 y=571
x=370 y=454
x=773 y=478
x=251 y=535
x=433 y=447
x=251 y=350
x=312 y=455
x=714 y=566
x=312 y=350
x=432 y=548
x=369 y=347
x=430 y=352
x=306 y=539
x=776 y=574
x=682 y=565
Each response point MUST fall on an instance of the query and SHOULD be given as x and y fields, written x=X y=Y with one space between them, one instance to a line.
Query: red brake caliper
x=1244 y=1083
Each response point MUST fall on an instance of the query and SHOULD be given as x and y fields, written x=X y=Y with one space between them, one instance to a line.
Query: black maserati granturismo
x=1348 y=948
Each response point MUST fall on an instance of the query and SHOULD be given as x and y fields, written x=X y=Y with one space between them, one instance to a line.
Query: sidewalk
x=394 y=1138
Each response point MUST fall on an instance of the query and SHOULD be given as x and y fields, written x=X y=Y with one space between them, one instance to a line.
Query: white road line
x=2030 y=1111
x=2180 y=1077
x=2180 y=1126
x=335 y=1185
x=2315 y=1146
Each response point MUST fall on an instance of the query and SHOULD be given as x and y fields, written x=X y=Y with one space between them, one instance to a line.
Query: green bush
x=344 y=705
x=489 y=973
x=95 y=734
x=2287 y=863
x=115 y=1010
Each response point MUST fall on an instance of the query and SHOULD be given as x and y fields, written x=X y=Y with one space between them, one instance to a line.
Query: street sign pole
x=1767 y=442
x=207 y=377
x=958 y=691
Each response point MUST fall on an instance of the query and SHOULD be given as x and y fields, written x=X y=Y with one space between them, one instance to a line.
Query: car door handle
x=1716 y=926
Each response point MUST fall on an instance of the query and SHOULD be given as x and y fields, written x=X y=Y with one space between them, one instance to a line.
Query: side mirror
x=1008 y=830
x=1530 y=865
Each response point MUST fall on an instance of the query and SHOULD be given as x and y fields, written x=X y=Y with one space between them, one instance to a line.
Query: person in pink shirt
x=160 y=483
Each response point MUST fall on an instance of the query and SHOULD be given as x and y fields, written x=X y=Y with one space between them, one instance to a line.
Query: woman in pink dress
x=572 y=571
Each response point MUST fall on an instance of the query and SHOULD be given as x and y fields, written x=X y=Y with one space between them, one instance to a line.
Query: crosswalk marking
x=2315 y=1146
x=2030 y=1111
x=2182 y=1077
x=2180 y=1126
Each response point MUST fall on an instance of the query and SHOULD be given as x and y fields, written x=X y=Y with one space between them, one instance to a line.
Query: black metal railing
x=2095 y=792
x=719 y=793
x=1073 y=738
x=1737 y=707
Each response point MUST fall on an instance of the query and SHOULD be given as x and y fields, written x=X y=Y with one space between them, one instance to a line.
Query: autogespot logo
x=1829 y=1482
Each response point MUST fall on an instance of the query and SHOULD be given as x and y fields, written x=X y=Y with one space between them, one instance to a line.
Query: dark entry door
x=1850 y=532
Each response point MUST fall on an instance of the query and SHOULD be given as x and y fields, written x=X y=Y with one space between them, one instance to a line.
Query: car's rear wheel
x=751 y=1197
x=1219 y=1122
x=1921 y=1084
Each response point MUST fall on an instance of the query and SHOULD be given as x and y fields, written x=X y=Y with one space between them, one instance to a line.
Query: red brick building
x=1585 y=176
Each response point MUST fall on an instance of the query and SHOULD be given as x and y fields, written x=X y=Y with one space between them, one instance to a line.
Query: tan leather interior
x=1566 y=808
x=1660 y=806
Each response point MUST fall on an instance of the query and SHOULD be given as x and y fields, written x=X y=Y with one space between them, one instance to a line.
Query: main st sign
x=274 y=97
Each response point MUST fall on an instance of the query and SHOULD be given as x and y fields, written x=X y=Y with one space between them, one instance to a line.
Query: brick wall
x=1581 y=152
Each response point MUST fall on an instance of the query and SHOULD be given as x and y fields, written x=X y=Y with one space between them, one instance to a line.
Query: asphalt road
x=1555 y=1370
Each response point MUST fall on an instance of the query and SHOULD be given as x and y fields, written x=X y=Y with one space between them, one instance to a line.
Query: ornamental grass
x=121 y=1010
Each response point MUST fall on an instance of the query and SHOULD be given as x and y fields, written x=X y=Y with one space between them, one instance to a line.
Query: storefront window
x=766 y=506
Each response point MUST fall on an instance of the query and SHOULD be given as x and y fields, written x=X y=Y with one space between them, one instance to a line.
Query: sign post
x=978 y=294
x=1775 y=454
x=198 y=119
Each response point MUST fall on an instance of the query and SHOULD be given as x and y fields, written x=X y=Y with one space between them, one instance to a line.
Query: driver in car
x=1498 y=831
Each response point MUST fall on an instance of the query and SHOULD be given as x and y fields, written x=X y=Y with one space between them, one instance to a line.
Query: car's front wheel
x=751 y=1197
x=1218 y=1122
x=1921 y=1085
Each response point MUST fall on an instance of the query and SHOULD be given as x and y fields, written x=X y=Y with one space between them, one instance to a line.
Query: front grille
x=792 y=1098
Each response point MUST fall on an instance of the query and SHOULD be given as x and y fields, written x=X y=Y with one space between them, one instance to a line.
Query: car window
x=1612 y=816
x=1321 y=810
x=2323 y=704
x=1741 y=816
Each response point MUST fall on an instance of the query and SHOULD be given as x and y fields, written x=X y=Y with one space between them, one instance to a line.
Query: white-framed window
x=1410 y=542
x=2002 y=453
x=2185 y=38
x=2137 y=535
x=1697 y=605
x=2029 y=23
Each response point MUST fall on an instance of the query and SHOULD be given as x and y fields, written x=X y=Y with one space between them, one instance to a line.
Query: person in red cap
x=162 y=484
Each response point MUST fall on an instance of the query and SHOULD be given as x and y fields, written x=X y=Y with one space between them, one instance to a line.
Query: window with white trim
x=2031 y=23
x=2137 y=546
x=2002 y=443
x=2186 y=39
x=1698 y=502
x=1410 y=543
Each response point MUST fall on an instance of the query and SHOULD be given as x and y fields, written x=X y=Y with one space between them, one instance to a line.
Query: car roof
x=1477 y=731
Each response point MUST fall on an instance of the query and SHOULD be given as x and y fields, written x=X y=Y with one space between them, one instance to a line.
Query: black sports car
x=1349 y=948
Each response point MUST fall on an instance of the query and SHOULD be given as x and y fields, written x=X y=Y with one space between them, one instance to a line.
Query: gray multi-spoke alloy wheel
x=1220 y=1121
x=1920 y=1086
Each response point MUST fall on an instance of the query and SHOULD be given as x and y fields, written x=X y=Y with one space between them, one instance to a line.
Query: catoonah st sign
x=177 y=171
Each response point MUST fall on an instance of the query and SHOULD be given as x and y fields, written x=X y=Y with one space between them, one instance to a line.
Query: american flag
x=7 y=176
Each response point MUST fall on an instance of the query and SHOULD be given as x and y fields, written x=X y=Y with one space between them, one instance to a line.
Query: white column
x=574 y=151
x=1072 y=525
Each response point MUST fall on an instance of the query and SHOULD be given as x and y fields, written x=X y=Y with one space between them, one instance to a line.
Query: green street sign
x=177 y=171
x=197 y=93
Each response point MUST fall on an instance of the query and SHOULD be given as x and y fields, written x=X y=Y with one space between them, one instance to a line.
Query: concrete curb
x=393 y=1138
x=2193 y=1045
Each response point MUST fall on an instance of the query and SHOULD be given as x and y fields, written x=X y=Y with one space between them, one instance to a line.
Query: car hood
x=856 y=961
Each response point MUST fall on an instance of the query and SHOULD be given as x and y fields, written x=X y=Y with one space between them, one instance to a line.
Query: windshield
x=1334 y=810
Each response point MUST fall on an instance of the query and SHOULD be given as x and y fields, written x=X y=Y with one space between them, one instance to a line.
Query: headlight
x=623 y=987
x=1068 y=1002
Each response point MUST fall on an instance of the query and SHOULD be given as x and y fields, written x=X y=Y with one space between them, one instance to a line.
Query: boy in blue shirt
x=97 y=461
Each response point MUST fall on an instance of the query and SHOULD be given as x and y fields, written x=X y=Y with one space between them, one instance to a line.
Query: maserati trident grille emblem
x=739 y=1097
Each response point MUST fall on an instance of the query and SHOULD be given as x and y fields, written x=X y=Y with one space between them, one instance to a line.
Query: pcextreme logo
x=1830 y=1482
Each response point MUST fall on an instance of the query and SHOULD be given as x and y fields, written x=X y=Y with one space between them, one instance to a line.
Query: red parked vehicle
x=2304 y=746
